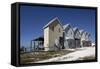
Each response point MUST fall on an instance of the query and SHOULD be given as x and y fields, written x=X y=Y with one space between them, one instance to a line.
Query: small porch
x=37 y=44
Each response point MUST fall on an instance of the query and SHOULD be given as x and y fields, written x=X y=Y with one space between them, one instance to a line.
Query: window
x=59 y=30
x=71 y=33
x=52 y=28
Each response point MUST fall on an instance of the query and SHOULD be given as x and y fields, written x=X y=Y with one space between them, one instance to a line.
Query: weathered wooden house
x=77 y=37
x=82 y=34
x=53 y=35
x=57 y=37
x=85 y=39
x=68 y=37
x=89 y=40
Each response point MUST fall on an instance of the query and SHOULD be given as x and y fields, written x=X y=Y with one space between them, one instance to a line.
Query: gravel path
x=77 y=55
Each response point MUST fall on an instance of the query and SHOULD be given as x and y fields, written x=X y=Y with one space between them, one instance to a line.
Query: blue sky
x=33 y=18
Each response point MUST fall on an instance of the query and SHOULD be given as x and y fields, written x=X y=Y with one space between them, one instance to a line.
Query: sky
x=34 y=18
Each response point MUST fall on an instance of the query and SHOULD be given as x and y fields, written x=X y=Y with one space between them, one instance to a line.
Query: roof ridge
x=50 y=22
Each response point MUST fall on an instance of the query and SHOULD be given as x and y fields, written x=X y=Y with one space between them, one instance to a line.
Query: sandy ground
x=77 y=55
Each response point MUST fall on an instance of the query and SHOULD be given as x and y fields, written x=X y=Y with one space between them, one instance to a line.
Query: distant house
x=77 y=37
x=85 y=39
x=88 y=40
x=53 y=35
x=68 y=36
x=37 y=44
x=82 y=34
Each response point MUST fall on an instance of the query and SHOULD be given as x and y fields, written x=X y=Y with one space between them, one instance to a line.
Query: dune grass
x=32 y=57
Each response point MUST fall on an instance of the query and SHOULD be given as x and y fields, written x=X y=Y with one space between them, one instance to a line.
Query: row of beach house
x=58 y=37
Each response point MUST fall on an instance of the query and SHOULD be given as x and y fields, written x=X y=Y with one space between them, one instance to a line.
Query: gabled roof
x=66 y=26
x=75 y=29
x=52 y=21
x=81 y=31
x=89 y=34
x=86 y=34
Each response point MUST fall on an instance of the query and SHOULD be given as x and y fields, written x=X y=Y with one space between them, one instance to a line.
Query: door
x=61 y=41
x=71 y=43
x=77 y=43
